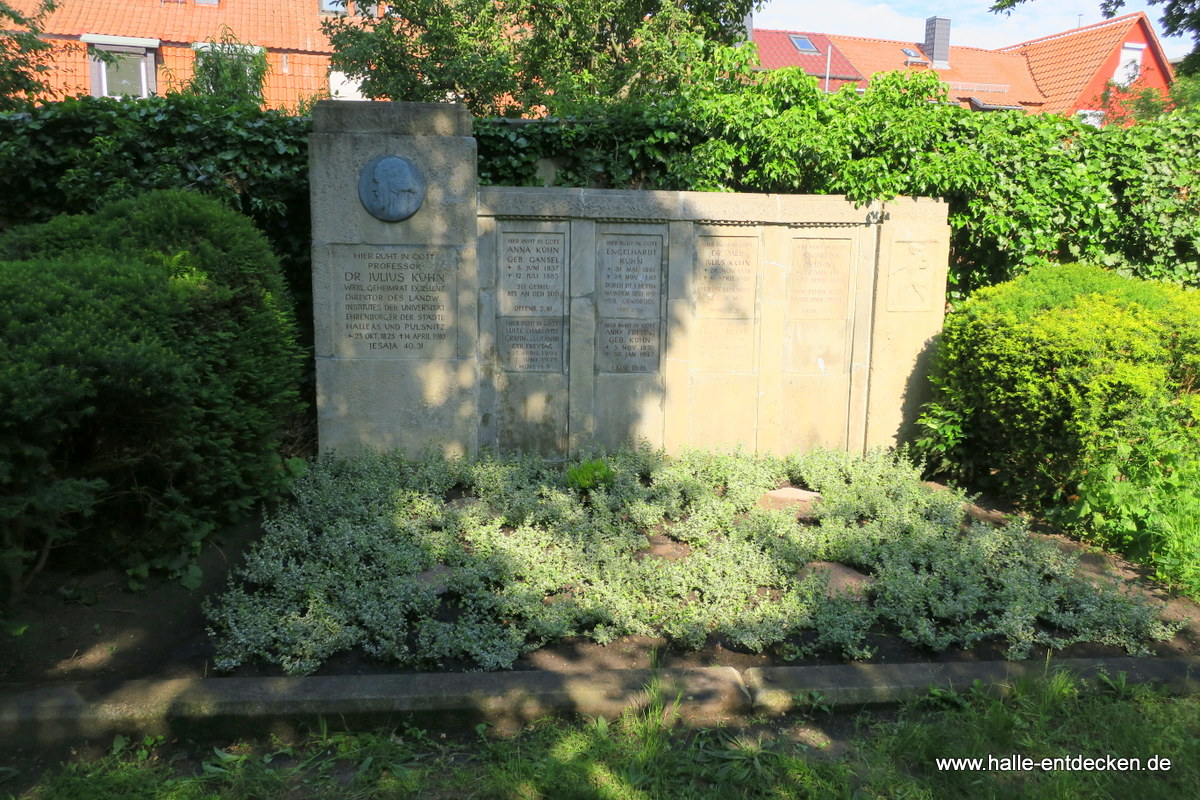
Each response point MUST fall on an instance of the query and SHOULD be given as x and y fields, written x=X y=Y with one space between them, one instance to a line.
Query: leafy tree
x=430 y=51
x=620 y=48
x=521 y=56
x=228 y=68
x=24 y=55
x=1124 y=106
x=1179 y=17
x=1185 y=92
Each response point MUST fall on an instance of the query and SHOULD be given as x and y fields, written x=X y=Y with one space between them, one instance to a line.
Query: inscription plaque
x=532 y=277
x=531 y=344
x=393 y=302
x=629 y=275
x=727 y=276
x=819 y=285
x=626 y=345
x=725 y=345
x=817 y=347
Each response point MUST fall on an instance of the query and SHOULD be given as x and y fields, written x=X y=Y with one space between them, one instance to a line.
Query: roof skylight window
x=803 y=43
x=911 y=53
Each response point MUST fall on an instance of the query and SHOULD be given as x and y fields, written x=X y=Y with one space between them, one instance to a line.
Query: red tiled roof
x=1066 y=63
x=1056 y=74
x=775 y=50
x=989 y=76
x=260 y=22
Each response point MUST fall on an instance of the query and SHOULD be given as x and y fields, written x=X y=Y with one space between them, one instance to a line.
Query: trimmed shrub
x=1074 y=390
x=84 y=153
x=1030 y=373
x=149 y=364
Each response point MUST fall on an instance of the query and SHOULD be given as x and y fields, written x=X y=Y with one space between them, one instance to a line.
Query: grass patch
x=420 y=563
x=643 y=755
x=1059 y=717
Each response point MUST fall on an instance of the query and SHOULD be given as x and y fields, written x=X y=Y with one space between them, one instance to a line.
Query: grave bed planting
x=427 y=562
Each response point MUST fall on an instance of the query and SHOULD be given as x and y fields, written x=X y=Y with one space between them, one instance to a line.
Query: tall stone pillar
x=910 y=299
x=395 y=277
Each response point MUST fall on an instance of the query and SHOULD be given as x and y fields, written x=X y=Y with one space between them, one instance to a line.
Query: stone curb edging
x=706 y=696
x=507 y=700
x=777 y=690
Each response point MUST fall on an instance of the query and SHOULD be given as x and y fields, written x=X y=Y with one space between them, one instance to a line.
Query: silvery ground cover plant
x=477 y=561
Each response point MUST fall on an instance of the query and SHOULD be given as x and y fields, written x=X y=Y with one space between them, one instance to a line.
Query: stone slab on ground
x=802 y=500
x=840 y=579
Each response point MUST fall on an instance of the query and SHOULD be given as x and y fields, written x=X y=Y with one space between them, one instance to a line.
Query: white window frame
x=342 y=8
x=1129 y=68
x=342 y=87
x=207 y=46
x=143 y=48
x=812 y=46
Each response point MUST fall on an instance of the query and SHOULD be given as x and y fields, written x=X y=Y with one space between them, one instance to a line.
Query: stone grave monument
x=545 y=320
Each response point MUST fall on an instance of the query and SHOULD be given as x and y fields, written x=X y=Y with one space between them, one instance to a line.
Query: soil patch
x=94 y=628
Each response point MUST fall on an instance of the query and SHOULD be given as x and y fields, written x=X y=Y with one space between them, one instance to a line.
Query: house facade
x=1074 y=68
x=152 y=44
x=1066 y=73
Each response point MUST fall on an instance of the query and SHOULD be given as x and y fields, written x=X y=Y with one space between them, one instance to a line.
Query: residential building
x=153 y=44
x=1066 y=73
x=1074 y=67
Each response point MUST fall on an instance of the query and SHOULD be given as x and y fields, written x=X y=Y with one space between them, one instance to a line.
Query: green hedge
x=148 y=368
x=1023 y=190
x=1075 y=390
x=82 y=154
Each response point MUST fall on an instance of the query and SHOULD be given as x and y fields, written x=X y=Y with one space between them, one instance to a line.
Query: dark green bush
x=1030 y=373
x=149 y=364
x=81 y=154
x=1074 y=390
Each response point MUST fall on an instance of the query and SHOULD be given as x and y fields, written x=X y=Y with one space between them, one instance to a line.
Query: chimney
x=937 y=41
